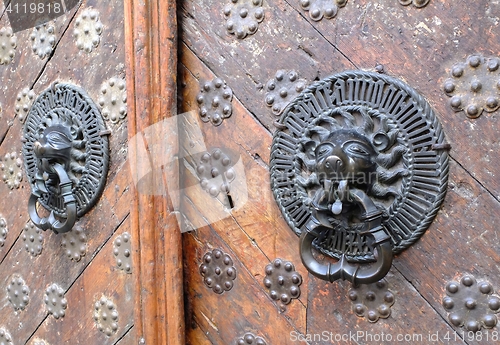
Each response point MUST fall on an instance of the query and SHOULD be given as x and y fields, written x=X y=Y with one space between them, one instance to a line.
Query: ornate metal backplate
x=69 y=107
x=387 y=130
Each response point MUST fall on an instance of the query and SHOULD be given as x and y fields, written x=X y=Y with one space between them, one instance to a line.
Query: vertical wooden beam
x=151 y=58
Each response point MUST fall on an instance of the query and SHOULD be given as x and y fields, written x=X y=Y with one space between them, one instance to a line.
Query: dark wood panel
x=249 y=229
x=418 y=46
x=244 y=308
x=102 y=278
x=283 y=41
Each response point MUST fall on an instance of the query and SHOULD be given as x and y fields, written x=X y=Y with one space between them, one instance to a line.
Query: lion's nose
x=38 y=148
x=334 y=163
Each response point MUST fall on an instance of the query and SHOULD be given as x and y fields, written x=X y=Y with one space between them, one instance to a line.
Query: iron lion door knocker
x=359 y=172
x=66 y=156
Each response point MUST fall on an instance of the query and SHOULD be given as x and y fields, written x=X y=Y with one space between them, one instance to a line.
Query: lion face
x=346 y=155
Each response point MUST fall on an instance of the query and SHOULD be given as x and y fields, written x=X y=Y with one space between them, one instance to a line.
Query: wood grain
x=151 y=31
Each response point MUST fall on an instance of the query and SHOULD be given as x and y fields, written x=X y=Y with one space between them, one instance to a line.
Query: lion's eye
x=323 y=150
x=357 y=149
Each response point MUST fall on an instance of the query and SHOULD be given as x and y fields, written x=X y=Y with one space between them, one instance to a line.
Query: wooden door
x=245 y=44
x=55 y=288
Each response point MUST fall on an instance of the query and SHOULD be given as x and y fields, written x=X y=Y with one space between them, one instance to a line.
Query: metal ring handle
x=342 y=269
x=51 y=222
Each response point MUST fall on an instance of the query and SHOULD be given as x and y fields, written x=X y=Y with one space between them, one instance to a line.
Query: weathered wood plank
x=283 y=41
x=51 y=266
x=409 y=43
x=249 y=229
x=102 y=278
x=244 y=308
x=151 y=59
x=412 y=320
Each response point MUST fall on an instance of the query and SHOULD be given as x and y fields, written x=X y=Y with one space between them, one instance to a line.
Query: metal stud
x=33 y=239
x=43 y=40
x=250 y=339
x=319 y=9
x=18 y=292
x=416 y=3
x=88 y=29
x=8 y=44
x=372 y=301
x=24 y=100
x=74 y=243
x=113 y=99
x=215 y=172
x=5 y=337
x=284 y=87
x=471 y=304
x=218 y=271
x=474 y=85
x=243 y=17
x=106 y=316
x=11 y=170
x=282 y=281
x=55 y=301
x=122 y=250
x=214 y=101
x=3 y=231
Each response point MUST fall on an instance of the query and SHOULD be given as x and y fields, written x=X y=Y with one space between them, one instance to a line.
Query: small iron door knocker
x=358 y=171
x=66 y=156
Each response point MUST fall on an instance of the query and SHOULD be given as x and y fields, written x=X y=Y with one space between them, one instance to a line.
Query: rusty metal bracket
x=357 y=168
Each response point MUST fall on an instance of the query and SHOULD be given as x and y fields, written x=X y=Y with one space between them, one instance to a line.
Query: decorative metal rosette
x=474 y=85
x=416 y=3
x=372 y=301
x=69 y=106
x=322 y=8
x=8 y=44
x=243 y=17
x=471 y=304
x=407 y=139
